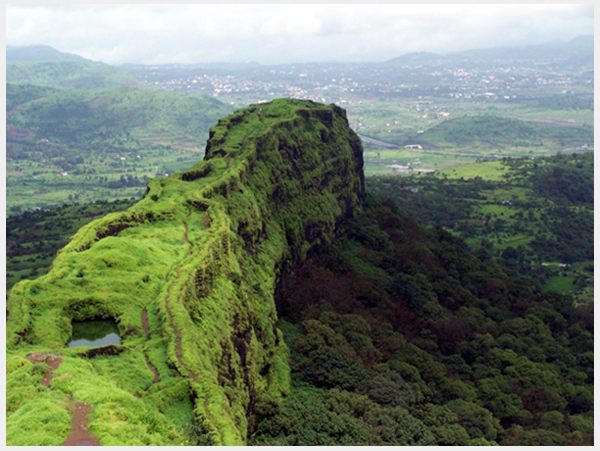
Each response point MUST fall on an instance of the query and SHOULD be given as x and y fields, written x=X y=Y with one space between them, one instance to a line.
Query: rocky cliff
x=189 y=273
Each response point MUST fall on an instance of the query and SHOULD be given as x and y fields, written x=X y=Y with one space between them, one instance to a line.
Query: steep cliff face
x=189 y=273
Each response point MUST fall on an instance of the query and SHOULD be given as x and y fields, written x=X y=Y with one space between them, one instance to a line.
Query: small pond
x=94 y=333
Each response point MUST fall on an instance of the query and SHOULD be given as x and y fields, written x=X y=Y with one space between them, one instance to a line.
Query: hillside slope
x=85 y=117
x=497 y=132
x=189 y=274
x=107 y=141
x=400 y=336
x=68 y=74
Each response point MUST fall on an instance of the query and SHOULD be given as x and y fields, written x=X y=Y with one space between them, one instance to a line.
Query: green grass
x=34 y=238
x=560 y=284
x=488 y=171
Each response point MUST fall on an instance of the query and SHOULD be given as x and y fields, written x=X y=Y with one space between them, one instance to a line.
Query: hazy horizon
x=282 y=34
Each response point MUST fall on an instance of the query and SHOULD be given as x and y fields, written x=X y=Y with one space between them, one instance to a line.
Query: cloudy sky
x=286 y=33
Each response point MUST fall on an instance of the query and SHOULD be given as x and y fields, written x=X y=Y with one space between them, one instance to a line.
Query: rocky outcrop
x=204 y=252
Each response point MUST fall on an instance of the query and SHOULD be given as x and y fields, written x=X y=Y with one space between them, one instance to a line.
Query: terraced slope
x=189 y=273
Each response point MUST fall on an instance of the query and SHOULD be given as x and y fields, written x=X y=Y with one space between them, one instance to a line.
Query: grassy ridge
x=201 y=253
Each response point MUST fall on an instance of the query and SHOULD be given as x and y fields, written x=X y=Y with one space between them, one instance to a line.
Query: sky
x=287 y=33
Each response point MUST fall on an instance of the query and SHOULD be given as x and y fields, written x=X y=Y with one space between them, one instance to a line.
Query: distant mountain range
x=578 y=51
x=42 y=65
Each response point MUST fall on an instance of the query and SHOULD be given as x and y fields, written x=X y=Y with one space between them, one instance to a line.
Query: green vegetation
x=561 y=284
x=100 y=144
x=34 y=238
x=200 y=255
x=19 y=94
x=391 y=333
x=263 y=300
x=528 y=213
x=401 y=336
x=488 y=131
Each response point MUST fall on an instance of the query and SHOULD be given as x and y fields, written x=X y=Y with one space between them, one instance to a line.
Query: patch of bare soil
x=155 y=381
x=80 y=436
x=145 y=324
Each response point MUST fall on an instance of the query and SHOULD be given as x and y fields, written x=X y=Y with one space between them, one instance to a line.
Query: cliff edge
x=189 y=274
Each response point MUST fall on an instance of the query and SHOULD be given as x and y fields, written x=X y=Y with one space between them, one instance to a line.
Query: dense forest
x=401 y=336
x=19 y=94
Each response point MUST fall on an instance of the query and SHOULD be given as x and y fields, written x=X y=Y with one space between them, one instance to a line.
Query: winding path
x=147 y=332
x=80 y=435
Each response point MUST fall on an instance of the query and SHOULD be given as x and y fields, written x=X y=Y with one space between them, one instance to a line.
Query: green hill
x=86 y=117
x=68 y=74
x=42 y=65
x=86 y=145
x=495 y=132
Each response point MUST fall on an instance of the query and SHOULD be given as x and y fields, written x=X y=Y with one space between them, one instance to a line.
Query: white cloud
x=271 y=33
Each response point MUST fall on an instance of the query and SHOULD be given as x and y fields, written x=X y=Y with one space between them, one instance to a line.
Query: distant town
x=348 y=83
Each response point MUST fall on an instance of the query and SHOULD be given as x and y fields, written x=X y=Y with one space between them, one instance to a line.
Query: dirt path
x=52 y=360
x=185 y=235
x=145 y=324
x=147 y=332
x=79 y=435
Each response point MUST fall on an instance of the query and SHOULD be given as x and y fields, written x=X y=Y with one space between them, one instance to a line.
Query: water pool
x=94 y=333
